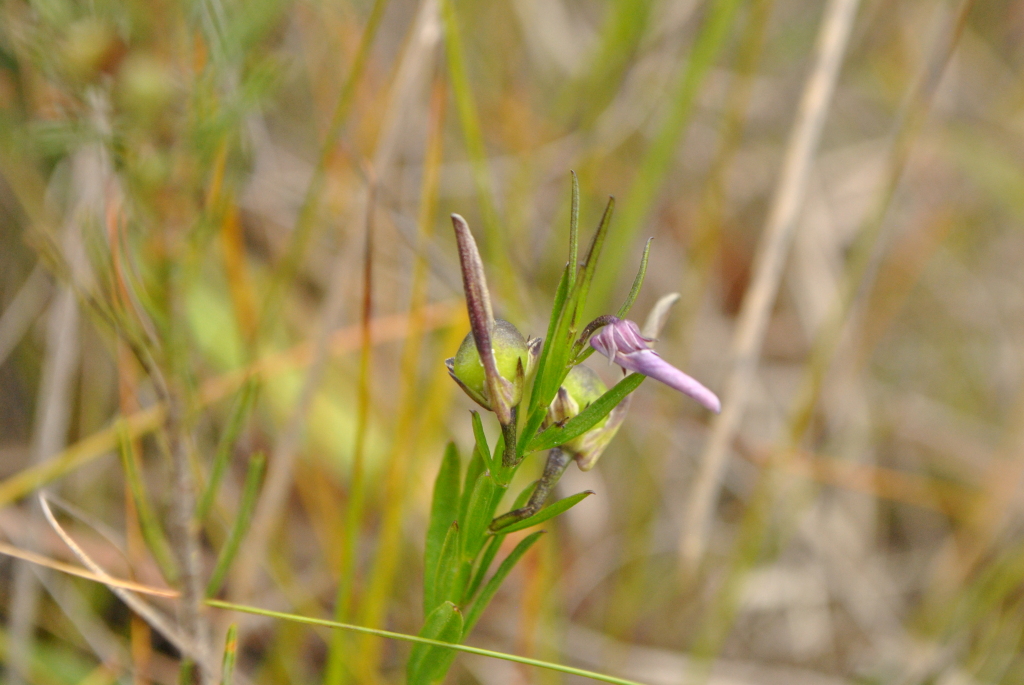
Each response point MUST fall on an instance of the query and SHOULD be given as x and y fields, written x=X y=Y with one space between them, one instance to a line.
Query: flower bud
x=580 y=388
x=513 y=355
x=622 y=342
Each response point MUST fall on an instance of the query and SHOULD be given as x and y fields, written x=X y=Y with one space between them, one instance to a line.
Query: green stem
x=217 y=604
x=509 y=456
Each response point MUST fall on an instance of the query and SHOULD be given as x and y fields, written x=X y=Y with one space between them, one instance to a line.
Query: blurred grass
x=213 y=160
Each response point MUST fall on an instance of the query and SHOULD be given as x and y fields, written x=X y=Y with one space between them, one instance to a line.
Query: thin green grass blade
x=253 y=479
x=497 y=579
x=227 y=669
x=428 y=663
x=222 y=457
x=308 y=620
x=444 y=510
x=586 y=419
x=152 y=532
x=547 y=512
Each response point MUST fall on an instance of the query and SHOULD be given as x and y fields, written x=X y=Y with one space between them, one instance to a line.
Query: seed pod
x=580 y=388
x=513 y=358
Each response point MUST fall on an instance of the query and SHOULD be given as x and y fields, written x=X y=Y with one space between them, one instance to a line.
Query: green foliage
x=152 y=531
x=461 y=580
x=548 y=512
x=478 y=606
x=428 y=663
x=250 y=491
x=444 y=511
x=221 y=163
x=227 y=668
x=222 y=457
x=449 y=566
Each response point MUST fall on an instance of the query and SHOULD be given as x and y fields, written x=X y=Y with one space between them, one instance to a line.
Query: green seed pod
x=513 y=355
x=580 y=388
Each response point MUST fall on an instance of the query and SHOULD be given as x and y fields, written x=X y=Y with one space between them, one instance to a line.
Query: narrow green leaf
x=586 y=419
x=574 y=231
x=428 y=663
x=444 y=510
x=559 y=345
x=547 y=512
x=491 y=550
x=227 y=669
x=478 y=516
x=484 y=565
x=545 y=353
x=590 y=265
x=446 y=578
x=250 y=493
x=477 y=467
x=222 y=457
x=480 y=436
x=637 y=282
x=152 y=532
x=498 y=578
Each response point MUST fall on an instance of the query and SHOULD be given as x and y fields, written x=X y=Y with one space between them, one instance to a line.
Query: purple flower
x=622 y=342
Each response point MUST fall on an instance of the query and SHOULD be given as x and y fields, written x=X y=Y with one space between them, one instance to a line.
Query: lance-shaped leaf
x=428 y=663
x=446 y=577
x=548 y=512
x=558 y=347
x=497 y=579
x=494 y=544
x=444 y=511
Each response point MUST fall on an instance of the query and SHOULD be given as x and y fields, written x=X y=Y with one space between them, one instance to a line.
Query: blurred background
x=224 y=244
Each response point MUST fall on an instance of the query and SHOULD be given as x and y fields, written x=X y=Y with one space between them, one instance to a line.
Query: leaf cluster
x=460 y=547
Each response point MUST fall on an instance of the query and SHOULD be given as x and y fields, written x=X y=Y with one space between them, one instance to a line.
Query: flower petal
x=623 y=343
x=650 y=363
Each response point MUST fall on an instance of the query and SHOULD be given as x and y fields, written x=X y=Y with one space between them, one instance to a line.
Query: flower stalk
x=570 y=412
